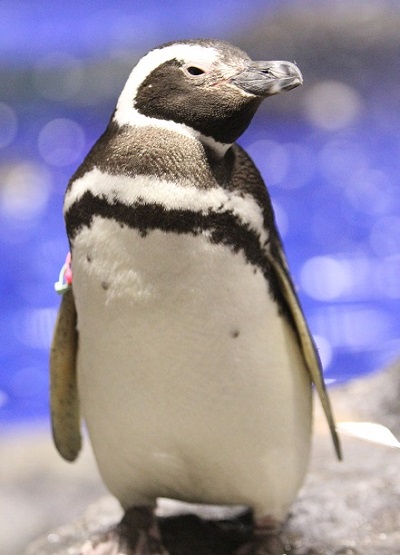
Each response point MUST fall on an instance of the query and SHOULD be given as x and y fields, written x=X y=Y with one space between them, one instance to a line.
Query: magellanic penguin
x=193 y=359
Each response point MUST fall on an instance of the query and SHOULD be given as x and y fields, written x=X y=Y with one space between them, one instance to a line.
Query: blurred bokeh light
x=329 y=153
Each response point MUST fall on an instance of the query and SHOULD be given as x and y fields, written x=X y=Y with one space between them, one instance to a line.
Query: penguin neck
x=133 y=150
x=214 y=148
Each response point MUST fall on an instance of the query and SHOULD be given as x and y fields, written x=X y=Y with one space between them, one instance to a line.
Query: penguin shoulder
x=148 y=150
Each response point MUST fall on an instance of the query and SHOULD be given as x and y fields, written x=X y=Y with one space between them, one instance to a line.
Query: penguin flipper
x=64 y=400
x=307 y=345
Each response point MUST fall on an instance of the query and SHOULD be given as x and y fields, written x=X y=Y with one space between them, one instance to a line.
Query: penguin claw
x=136 y=534
x=110 y=545
x=265 y=541
x=270 y=545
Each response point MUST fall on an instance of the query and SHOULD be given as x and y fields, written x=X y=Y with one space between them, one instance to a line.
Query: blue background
x=329 y=153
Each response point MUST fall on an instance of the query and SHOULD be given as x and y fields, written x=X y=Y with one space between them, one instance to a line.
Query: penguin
x=181 y=341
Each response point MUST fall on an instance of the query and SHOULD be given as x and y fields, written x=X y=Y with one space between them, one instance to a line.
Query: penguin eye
x=193 y=70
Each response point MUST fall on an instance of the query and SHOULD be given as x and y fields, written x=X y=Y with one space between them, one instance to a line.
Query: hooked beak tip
x=269 y=78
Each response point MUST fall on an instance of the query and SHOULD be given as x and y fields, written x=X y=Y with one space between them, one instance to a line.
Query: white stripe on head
x=126 y=113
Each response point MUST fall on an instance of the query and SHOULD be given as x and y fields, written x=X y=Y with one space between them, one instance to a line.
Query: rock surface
x=38 y=490
x=348 y=508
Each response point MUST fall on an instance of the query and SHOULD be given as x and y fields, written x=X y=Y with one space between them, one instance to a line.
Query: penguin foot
x=265 y=541
x=140 y=531
x=268 y=545
x=136 y=534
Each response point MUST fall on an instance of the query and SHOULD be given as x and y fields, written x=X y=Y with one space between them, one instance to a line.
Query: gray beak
x=268 y=78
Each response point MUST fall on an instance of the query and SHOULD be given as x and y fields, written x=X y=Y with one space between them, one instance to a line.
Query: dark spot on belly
x=88 y=258
x=105 y=285
x=234 y=334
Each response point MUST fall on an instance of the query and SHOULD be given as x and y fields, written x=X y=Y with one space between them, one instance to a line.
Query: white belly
x=191 y=385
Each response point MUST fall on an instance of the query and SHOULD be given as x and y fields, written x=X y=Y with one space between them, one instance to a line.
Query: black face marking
x=214 y=108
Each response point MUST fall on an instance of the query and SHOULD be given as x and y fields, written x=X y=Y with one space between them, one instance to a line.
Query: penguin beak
x=268 y=78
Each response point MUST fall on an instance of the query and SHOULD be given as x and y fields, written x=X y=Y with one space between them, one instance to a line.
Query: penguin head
x=204 y=88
